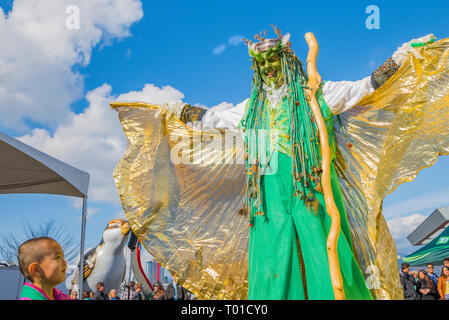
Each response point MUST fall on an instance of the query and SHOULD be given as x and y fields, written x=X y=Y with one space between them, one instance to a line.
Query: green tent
x=434 y=252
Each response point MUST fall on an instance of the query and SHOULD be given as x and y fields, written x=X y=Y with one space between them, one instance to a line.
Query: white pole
x=129 y=270
x=81 y=266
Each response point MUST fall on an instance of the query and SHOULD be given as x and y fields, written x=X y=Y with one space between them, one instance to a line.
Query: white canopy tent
x=24 y=169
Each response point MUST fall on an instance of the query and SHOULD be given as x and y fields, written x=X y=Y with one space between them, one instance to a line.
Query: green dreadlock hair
x=304 y=135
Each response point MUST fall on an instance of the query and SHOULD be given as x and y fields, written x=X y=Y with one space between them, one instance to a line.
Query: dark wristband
x=191 y=114
x=383 y=73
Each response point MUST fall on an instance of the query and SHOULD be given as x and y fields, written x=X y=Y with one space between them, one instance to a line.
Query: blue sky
x=173 y=43
x=177 y=44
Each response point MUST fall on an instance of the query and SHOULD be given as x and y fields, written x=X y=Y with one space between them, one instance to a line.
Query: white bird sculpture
x=106 y=262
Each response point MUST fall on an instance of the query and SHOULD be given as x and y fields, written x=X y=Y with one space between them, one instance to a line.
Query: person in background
x=408 y=283
x=74 y=295
x=443 y=284
x=139 y=292
x=129 y=292
x=415 y=276
x=159 y=293
x=100 y=294
x=175 y=291
x=446 y=262
x=425 y=286
x=113 y=295
x=41 y=261
x=91 y=295
x=85 y=295
x=155 y=287
x=431 y=274
x=190 y=295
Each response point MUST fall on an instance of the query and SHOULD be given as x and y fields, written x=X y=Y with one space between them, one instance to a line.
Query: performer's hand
x=174 y=107
x=403 y=51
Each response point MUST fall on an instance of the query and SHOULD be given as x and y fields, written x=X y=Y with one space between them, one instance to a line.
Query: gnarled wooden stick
x=332 y=239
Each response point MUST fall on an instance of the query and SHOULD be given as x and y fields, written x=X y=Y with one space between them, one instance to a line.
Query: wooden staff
x=332 y=239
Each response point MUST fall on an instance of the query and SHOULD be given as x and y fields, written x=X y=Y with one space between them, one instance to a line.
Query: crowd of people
x=425 y=284
x=133 y=291
x=41 y=261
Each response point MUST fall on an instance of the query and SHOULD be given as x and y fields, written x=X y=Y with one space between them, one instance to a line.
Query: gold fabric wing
x=399 y=129
x=185 y=212
x=181 y=190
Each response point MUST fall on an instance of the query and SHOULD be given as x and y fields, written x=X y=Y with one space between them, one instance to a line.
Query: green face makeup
x=270 y=67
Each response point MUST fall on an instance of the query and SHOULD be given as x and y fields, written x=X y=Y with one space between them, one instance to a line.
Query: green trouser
x=274 y=259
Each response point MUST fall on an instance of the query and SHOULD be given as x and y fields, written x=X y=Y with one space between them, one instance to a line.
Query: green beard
x=270 y=67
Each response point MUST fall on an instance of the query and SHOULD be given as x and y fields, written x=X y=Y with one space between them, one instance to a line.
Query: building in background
x=432 y=235
x=151 y=271
x=430 y=228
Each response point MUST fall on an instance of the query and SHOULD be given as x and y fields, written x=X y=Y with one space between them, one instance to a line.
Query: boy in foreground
x=42 y=262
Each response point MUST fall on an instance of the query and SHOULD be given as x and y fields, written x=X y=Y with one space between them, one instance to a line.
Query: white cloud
x=91 y=211
x=38 y=53
x=401 y=227
x=76 y=202
x=219 y=49
x=222 y=107
x=93 y=140
x=152 y=94
x=431 y=200
x=235 y=40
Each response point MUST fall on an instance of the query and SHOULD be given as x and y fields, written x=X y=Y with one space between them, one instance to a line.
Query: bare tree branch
x=9 y=244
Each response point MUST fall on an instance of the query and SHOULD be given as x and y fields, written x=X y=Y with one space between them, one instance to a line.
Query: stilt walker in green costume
x=289 y=222
x=185 y=213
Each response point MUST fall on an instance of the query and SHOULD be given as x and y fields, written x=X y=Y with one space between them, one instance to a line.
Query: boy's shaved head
x=33 y=250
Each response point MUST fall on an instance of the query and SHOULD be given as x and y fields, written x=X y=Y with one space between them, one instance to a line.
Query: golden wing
x=396 y=131
x=181 y=190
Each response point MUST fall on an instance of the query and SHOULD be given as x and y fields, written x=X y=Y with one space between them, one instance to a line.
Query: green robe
x=287 y=250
